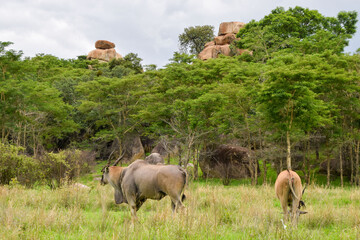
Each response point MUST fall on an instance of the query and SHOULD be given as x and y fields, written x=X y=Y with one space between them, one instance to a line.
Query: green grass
x=238 y=211
x=213 y=211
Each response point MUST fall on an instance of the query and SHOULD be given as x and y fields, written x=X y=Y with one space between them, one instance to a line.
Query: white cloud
x=150 y=28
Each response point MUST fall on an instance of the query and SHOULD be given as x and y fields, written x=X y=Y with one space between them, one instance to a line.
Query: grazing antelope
x=141 y=180
x=289 y=190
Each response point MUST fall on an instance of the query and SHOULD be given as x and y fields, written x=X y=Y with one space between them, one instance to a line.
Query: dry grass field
x=213 y=211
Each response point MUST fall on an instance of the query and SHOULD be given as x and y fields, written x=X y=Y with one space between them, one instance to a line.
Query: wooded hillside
x=294 y=101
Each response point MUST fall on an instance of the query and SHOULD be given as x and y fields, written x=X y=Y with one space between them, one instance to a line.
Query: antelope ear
x=302 y=212
x=105 y=169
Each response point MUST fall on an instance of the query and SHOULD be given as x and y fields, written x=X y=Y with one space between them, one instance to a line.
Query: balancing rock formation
x=105 y=51
x=221 y=43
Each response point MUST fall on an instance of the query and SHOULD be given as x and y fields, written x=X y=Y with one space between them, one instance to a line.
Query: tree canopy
x=193 y=39
x=297 y=30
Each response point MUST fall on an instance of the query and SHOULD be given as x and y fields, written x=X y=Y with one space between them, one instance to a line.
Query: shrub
x=65 y=165
x=13 y=164
x=50 y=168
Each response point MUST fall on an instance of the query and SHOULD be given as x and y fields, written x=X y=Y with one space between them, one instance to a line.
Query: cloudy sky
x=150 y=28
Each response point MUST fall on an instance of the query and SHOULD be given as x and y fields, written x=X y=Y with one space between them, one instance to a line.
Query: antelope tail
x=291 y=186
x=185 y=176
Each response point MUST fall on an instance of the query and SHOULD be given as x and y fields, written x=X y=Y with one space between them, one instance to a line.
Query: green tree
x=131 y=63
x=338 y=83
x=288 y=100
x=295 y=30
x=8 y=59
x=33 y=113
x=108 y=105
x=196 y=101
x=193 y=39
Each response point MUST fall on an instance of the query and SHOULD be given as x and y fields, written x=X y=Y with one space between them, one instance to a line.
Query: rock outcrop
x=230 y=27
x=103 y=44
x=133 y=148
x=221 y=43
x=105 y=51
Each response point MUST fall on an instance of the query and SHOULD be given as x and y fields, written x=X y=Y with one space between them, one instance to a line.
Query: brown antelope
x=289 y=190
x=141 y=180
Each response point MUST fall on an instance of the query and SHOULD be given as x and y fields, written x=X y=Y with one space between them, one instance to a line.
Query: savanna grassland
x=295 y=97
x=213 y=211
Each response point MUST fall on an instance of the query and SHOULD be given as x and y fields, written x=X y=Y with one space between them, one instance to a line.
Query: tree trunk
x=317 y=151
x=187 y=158
x=328 y=168
x=255 y=167
x=18 y=138
x=261 y=156
x=4 y=68
x=196 y=163
x=288 y=152
x=351 y=163
x=180 y=156
x=251 y=160
x=357 y=182
x=189 y=146
x=308 y=160
x=34 y=139
x=341 y=168
x=24 y=137
x=196 y=170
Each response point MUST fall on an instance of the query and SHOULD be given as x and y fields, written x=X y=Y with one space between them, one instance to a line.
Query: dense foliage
x=50 y=168
x=293 y=95
x=297 y=30
x=193 y=39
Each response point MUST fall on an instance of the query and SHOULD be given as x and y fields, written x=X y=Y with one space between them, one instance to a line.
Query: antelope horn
x=110 y=156
x=118 y=160
x=304 y=189
x=108 y=163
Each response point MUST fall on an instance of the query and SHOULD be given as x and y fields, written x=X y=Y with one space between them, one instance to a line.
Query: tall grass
x=212 y=212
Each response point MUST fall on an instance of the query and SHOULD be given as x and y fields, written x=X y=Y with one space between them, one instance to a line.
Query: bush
x=16 y=165
x=66 y=165
x=49 y=168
